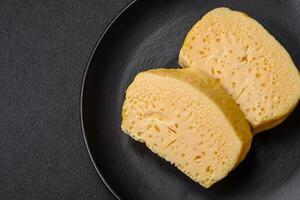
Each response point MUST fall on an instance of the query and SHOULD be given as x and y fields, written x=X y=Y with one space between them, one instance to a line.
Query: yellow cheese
x=188 y=119
x=269 y=125
x=252 y=66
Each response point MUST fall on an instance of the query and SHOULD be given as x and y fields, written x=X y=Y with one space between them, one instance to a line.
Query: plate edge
x=122 y=11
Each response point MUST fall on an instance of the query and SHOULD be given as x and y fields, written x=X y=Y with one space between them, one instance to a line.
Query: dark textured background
x=44 y=48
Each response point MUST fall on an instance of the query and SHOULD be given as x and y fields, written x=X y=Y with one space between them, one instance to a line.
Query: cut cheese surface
x=251 y=64
x=187 y=118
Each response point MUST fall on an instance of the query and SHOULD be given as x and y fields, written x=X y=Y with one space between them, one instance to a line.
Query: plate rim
x=83 y=84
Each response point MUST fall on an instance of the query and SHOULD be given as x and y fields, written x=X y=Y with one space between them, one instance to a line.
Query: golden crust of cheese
x=187 y=118
x=250 y=63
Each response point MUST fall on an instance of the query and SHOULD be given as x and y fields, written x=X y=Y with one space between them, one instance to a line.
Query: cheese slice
x=252 y=66
x=188 y=119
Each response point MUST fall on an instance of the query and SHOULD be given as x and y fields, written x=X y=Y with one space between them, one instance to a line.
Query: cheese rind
x=251 y=64
x=188 y=119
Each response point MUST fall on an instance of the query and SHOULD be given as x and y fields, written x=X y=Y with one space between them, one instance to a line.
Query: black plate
x=148 y=34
